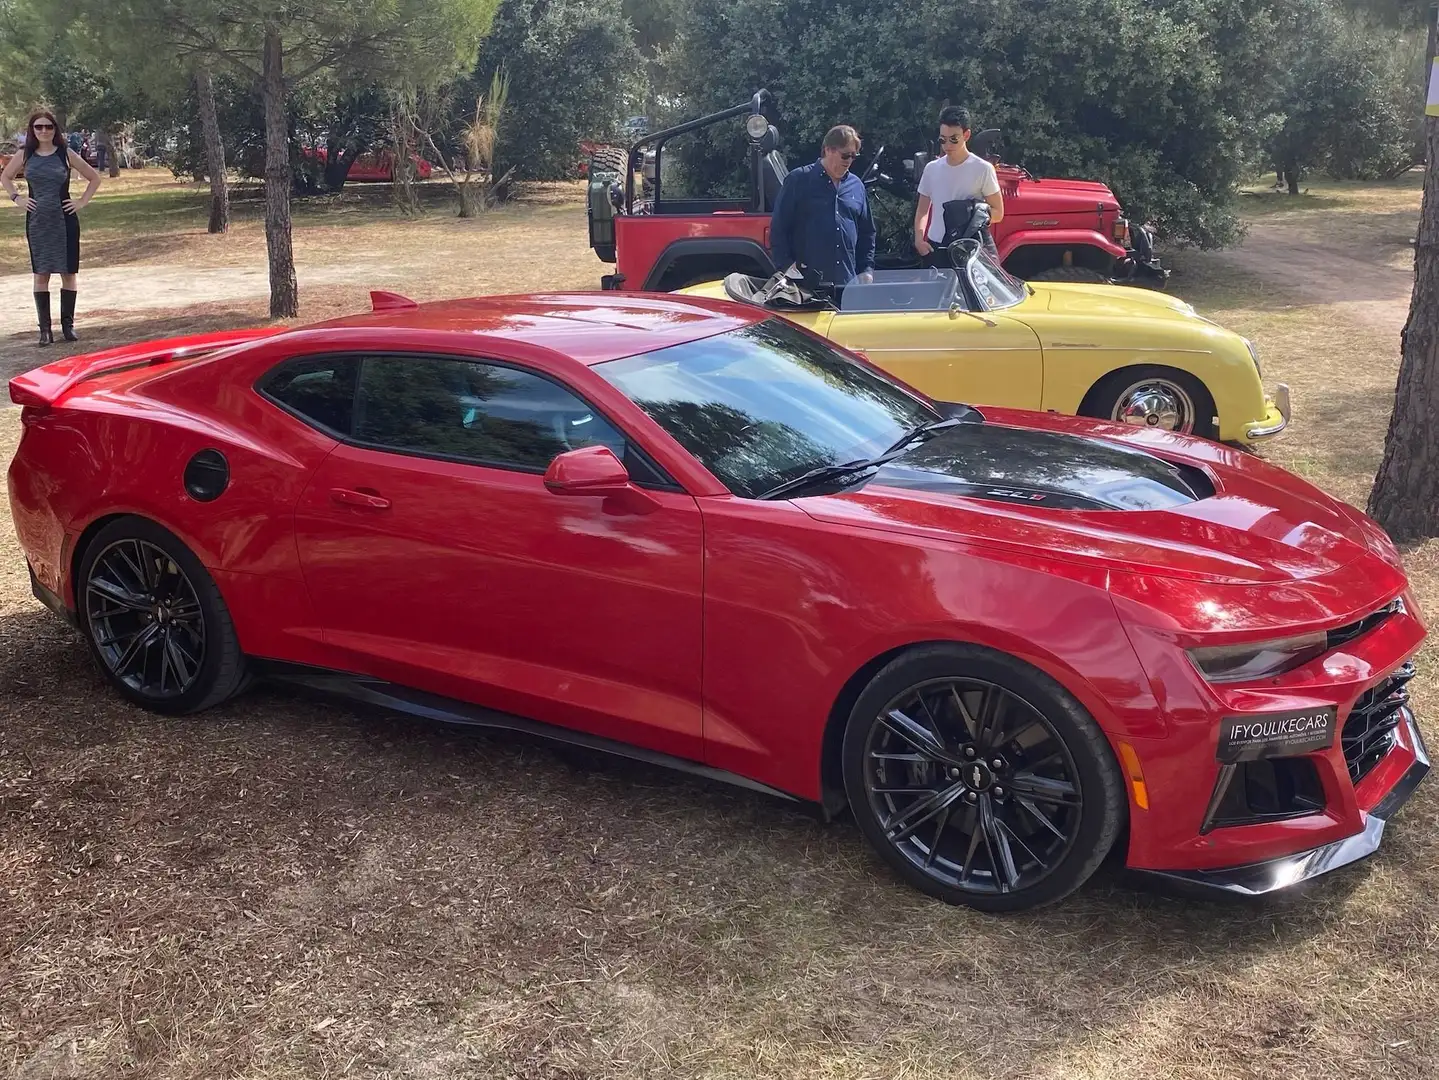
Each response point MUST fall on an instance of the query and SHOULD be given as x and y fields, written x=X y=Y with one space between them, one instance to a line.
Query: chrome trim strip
x=870 y=350
x=1065 y=346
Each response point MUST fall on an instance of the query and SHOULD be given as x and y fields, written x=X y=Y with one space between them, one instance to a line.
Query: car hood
x=1095 y=499
x=1064 y=196
x=1064 y=298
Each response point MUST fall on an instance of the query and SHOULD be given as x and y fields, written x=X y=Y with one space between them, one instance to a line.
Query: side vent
x=207 y=476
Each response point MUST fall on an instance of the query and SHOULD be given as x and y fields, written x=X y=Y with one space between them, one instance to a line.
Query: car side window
x=319 y=390
x=487 y=414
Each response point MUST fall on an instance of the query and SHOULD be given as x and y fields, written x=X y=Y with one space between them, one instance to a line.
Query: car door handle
x=365 y=500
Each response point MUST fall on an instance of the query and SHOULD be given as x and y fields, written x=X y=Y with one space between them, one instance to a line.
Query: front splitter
x=1275 y=875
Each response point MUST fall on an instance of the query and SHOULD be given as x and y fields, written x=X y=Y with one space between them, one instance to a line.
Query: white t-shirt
x=972 y=178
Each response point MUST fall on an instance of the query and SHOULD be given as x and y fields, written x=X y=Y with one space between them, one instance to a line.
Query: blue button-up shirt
x=822 y=225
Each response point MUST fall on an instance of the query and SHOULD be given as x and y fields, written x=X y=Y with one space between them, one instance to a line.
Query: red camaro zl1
x=692 y=532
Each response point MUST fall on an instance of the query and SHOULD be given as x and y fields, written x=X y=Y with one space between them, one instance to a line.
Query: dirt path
x=1373 y=294
x=127 y=290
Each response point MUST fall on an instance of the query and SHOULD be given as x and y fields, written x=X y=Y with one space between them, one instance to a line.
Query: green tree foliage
x=282 y=44
x=572 y=67
x=1353 y=97
x=1168 y=101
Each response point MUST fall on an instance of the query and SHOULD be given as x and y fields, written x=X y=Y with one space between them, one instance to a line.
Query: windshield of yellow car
x=993 y=285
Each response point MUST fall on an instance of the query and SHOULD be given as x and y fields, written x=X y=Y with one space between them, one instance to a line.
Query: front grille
x=1342 y=635
x=1369 y=731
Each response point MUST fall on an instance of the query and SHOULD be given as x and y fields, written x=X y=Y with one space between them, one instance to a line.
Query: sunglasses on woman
x=43 y=127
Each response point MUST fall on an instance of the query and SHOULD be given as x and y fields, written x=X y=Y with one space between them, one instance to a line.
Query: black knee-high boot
x=67 y=314
x=42 y=310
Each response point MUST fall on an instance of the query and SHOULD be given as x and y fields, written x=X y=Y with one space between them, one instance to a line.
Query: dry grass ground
x=289 y=888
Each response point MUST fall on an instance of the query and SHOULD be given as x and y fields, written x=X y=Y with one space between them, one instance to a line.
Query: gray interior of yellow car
x=935 y=289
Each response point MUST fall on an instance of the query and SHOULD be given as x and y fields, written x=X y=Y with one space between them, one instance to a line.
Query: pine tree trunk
x=284 y=293
x=214 y=152
x=401 y=140
x=469 y=198
x=1405 y=498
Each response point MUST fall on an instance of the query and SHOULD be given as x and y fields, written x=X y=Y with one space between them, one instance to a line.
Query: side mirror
x=593 y=470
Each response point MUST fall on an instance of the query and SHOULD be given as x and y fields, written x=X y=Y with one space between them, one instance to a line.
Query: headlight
x=1258 y=659
x=1254 y=355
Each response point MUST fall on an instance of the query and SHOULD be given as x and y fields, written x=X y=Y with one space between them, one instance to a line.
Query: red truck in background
x=1053 y=230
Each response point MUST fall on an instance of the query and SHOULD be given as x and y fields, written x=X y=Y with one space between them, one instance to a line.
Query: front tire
x=155 y=621
x=980 y=780
x=1153 y=396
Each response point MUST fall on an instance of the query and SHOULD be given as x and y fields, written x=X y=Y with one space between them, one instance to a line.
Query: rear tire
x=155 y=621
x=683 y=279
x=1016 y=802
x=1073 y=274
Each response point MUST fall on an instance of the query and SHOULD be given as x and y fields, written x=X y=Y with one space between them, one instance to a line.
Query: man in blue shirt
x=821 y=218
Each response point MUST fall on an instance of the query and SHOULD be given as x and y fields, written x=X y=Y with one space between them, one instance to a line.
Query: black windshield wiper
x=921 y=431
x=821 y=475
x=829 y=473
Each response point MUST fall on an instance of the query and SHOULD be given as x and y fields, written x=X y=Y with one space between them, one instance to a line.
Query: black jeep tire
x=938 y=849
x=1106 y=397
x=155 y=621
x=615 y=159
x=1077 y=274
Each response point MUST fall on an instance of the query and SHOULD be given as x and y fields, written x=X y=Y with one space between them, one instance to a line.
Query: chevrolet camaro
x=976 y=333
x=692 y=532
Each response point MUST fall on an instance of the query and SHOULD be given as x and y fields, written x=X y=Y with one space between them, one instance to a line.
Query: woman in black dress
x=52 y=225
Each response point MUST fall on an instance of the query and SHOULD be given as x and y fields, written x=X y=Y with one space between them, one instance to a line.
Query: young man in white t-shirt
x=957 y=175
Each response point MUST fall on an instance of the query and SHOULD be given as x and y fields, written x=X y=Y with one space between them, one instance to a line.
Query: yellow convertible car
x=978 y=335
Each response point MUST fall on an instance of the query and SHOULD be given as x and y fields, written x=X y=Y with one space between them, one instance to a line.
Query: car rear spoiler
x=43 y=386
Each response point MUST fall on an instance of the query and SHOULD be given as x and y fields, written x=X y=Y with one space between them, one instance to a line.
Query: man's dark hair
x=954 y=116
x=840 y=136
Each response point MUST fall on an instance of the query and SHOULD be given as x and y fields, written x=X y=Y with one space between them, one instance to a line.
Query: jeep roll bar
x=753 y=107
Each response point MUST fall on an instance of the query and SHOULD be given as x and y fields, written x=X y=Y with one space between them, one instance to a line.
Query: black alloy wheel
x=981 y=781
x=146 y=619
x=155 y=621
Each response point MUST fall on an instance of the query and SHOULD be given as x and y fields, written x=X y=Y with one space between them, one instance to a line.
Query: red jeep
x=666 y=238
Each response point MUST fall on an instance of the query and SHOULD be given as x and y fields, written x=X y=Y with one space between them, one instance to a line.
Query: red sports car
x=695 y=533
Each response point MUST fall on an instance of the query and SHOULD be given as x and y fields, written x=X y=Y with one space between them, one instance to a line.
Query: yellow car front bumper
x=1276 y=416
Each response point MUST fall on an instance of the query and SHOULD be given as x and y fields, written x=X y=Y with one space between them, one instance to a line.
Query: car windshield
x=768 y=403
x=995 y=286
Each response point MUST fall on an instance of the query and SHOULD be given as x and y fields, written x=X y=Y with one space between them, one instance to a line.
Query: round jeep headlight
x=756 y=126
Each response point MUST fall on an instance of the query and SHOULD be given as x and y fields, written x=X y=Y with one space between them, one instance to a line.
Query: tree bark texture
x=111 y=144
x=284 y=292
x=1405 y=497
x=402 y=139
x=214 y=152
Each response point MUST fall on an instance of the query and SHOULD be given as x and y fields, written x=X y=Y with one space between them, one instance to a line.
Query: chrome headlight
x=1254 y=355
x=1257 y=659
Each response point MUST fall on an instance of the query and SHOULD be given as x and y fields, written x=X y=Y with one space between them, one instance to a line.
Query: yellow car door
x=978 y=358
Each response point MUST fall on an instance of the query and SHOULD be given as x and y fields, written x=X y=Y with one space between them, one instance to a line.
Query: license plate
x=1249 y=738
